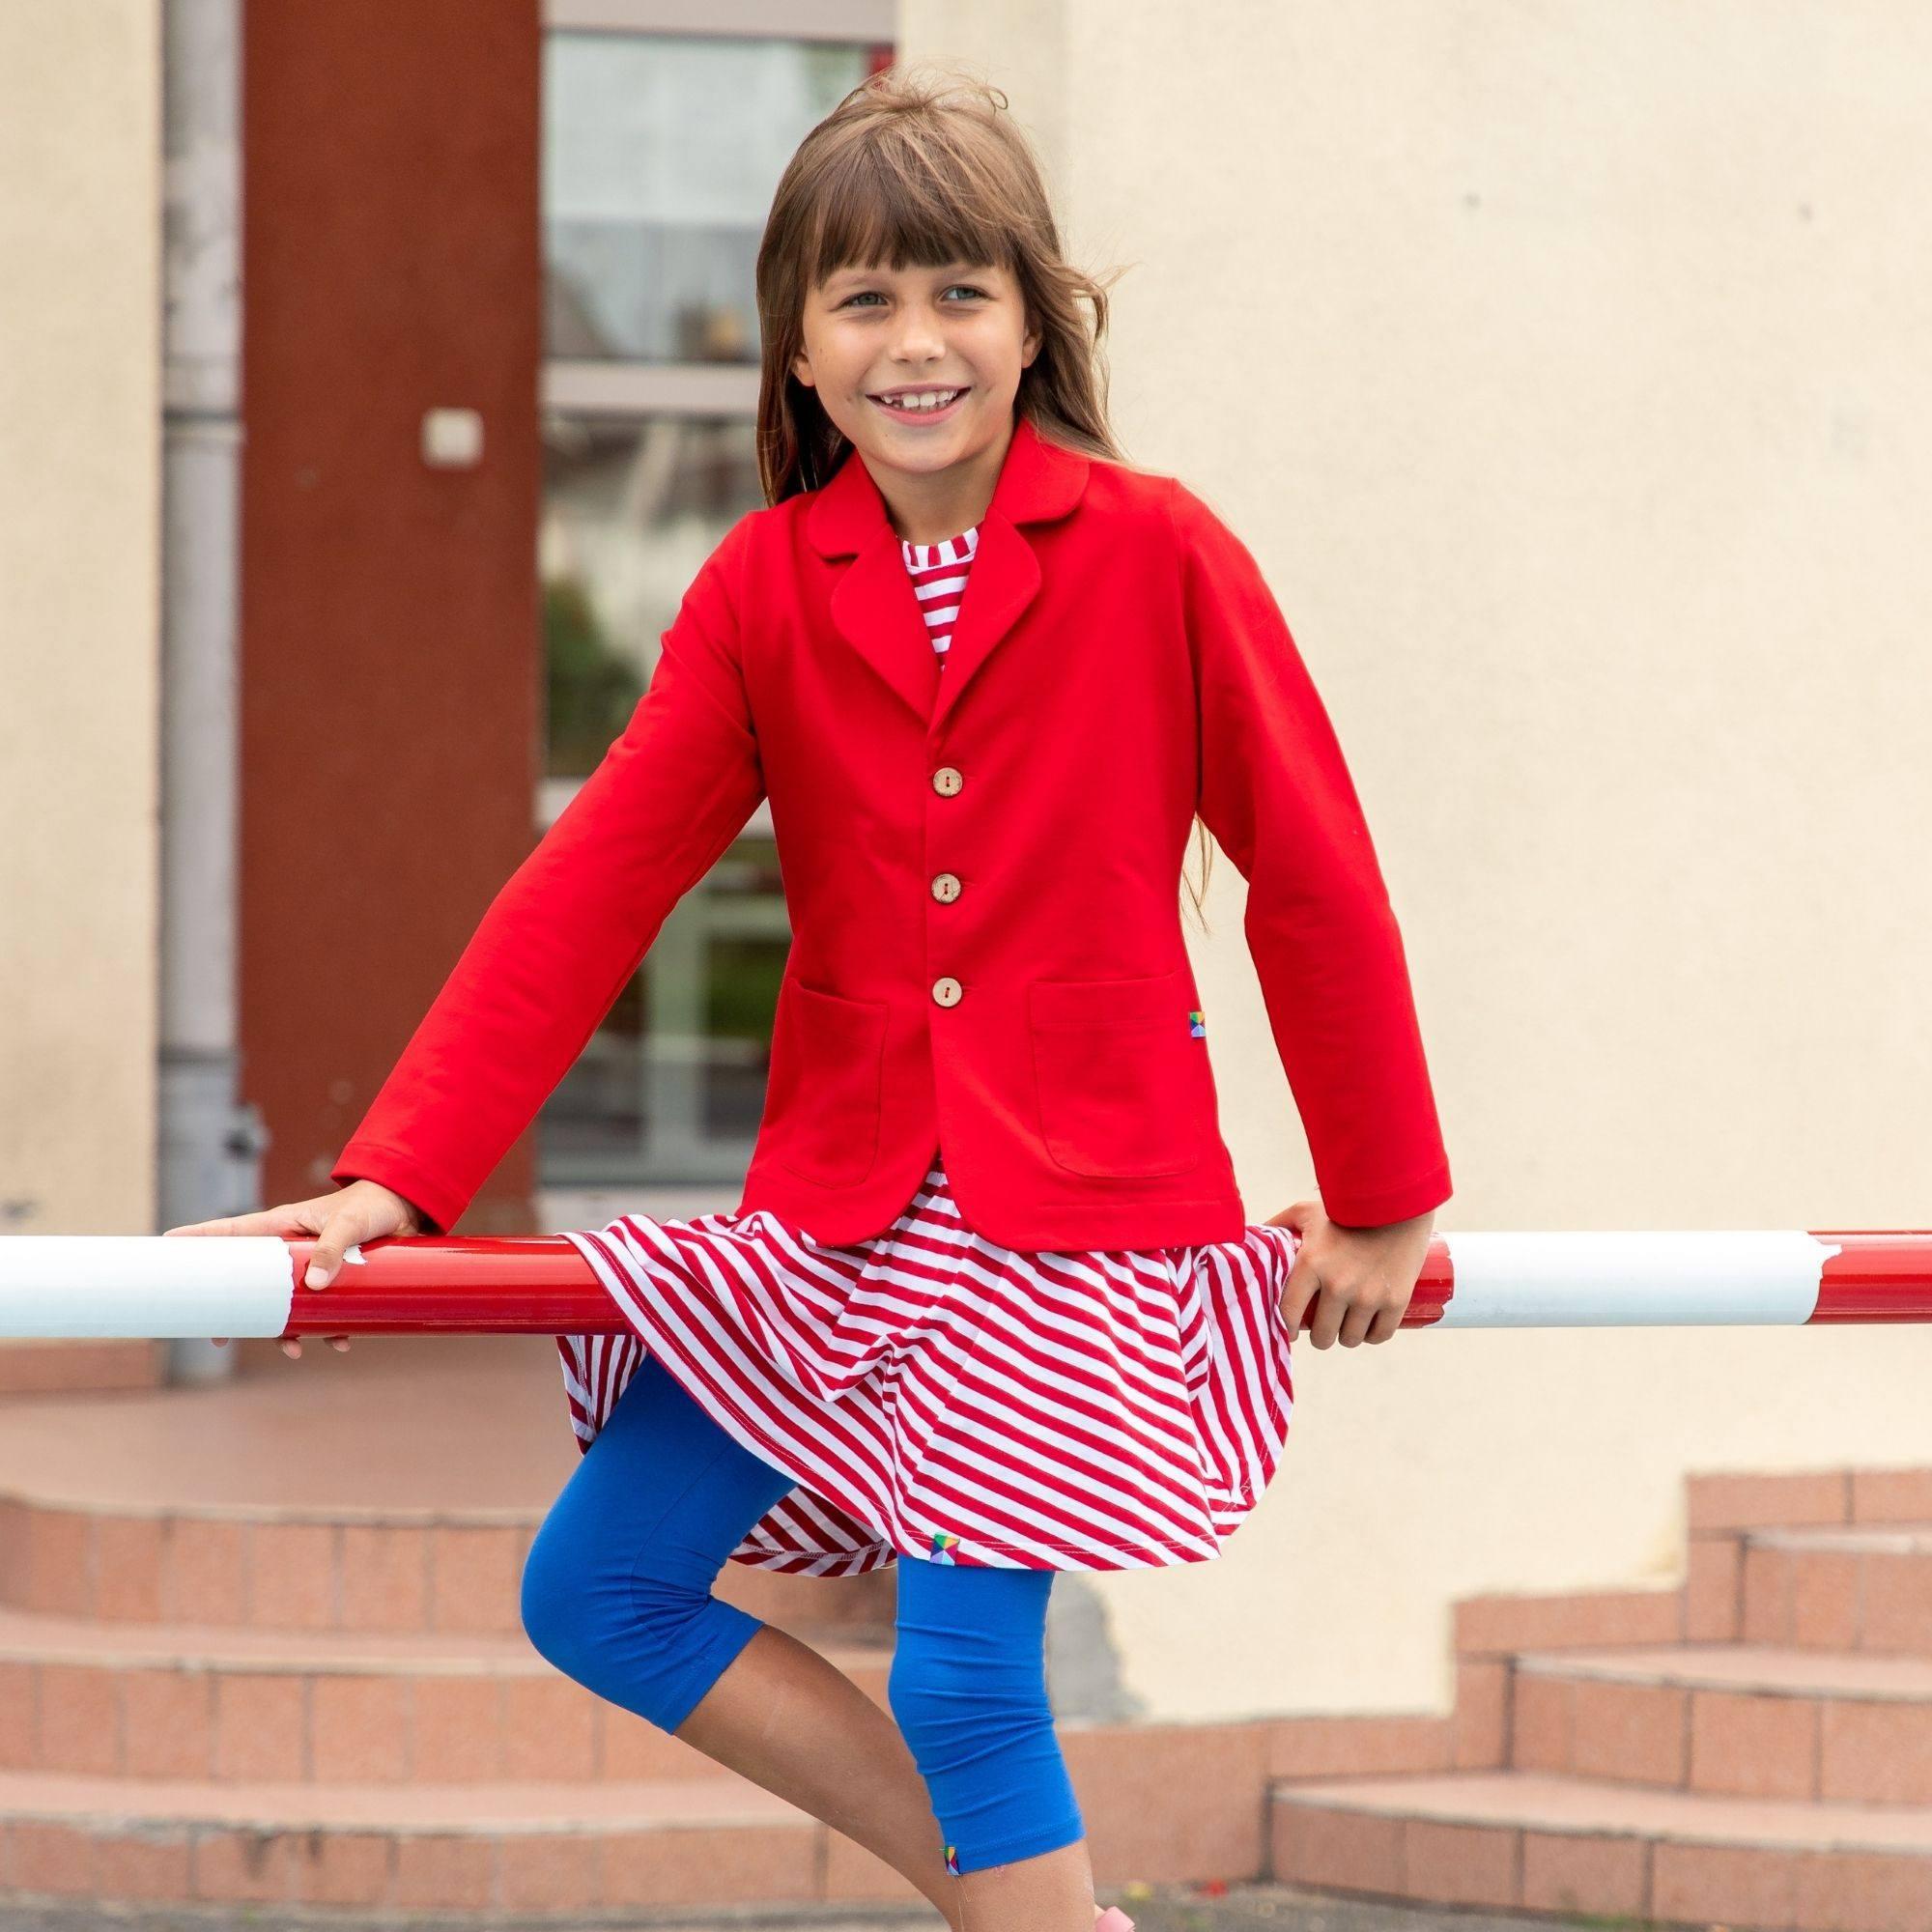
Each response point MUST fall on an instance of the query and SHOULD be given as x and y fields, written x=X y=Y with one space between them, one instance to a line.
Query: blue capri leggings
x=616 y=1593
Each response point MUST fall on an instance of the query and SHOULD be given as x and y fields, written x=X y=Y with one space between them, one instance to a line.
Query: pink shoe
x=1113 y=1920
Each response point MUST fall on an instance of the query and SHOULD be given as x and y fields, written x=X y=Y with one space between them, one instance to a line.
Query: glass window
x=661 y=151
x=631 y=510
x=671 y=1085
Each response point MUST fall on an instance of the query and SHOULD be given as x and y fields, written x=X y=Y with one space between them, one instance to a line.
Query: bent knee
x=949 y=1709
x=571 y=1610
x=553 y=1604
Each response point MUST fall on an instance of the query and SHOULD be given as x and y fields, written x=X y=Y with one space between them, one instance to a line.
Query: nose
x=915 y=341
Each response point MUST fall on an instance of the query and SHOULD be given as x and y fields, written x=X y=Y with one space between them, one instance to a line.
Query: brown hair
x=915 y=170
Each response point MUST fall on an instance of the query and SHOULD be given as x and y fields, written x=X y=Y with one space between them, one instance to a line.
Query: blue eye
x=967 y=287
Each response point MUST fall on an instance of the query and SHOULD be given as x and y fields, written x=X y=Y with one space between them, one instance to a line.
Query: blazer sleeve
x=565 y=933
x=1276 y=794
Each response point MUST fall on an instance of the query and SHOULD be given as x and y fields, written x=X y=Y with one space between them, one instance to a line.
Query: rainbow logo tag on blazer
x=943 y=1546
x=1197 y=1025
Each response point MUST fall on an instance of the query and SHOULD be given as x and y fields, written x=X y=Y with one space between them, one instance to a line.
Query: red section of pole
x=462 y=1285
x=1878 y=1277
x=1434 y=1287
x=456 y=1285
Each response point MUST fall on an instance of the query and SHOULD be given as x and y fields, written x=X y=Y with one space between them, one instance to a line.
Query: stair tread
x=1744 y=1667
x=1881 y=1539
x=40 y=1637
x=1601 y=1808
x=723 y=1801
x=403 y=1429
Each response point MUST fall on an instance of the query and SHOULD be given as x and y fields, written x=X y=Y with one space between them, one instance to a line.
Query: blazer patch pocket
x=1122 y=1081
x=822 y=1098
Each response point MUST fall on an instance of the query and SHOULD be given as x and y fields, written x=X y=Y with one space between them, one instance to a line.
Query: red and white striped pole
x=83 y=1287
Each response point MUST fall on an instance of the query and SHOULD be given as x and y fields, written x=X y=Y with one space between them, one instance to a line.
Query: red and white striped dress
x=933 y=1394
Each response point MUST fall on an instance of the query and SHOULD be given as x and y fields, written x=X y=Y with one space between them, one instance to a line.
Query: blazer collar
x=1037 y=480
x=873 y=605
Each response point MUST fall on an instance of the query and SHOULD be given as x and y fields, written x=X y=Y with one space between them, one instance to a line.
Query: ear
x=801 y=367
x=1029 y=349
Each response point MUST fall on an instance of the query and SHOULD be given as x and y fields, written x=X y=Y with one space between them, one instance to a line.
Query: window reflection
x=631 y=511
x=661 y=152
x=671 y=1085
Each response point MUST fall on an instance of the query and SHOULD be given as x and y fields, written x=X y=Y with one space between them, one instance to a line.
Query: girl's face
x=878 y=341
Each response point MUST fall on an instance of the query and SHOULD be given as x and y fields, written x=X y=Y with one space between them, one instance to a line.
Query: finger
x=263 y=1221
x=337 y=1238
x=339 y=1343
x=1395 y=1315
x=289 y=1221
x=1355 y=1323
x=1303 y=1284
x=1330 y=1305
x=292 y=1350
x=219 y=1341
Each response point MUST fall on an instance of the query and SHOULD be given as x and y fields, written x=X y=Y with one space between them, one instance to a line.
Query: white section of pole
x=144 y=1287
x=1615 y=1278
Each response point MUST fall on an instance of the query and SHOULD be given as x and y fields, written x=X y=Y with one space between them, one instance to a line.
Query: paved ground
x=1261 y=1908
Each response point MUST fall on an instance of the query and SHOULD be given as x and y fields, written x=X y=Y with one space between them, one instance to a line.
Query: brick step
x=1867 y=1588
x=1519 y=1840
x=1745 y=1720
x=532 y=1848
x=390 y=1568
x=202 y=1702
x=1167 y=1803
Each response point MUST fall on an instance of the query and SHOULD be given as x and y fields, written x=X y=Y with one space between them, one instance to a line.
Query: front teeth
x=938 y=402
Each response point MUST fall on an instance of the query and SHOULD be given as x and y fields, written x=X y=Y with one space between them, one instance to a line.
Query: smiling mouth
x=918 y=403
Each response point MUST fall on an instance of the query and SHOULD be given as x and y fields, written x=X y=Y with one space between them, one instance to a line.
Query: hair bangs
x=905 y=209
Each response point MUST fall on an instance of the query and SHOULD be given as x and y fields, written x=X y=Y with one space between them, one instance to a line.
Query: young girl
x=988 y=1308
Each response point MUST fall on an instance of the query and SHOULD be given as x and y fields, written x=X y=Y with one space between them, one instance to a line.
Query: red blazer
x=981 y=859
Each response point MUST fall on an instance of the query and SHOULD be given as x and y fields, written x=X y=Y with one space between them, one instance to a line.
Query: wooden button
x=947 y=780
x=946 y=887
x=947 y=991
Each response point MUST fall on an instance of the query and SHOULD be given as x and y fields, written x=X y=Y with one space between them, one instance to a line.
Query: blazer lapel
x=872 y=603
x=1005 y=578
x=877 y=612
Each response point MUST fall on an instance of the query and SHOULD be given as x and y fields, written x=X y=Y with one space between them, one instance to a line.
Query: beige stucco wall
x=79 y=502
x=1564 y=366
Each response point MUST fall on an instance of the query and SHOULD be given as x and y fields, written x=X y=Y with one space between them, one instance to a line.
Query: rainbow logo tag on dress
x=1197 y=1025
x=943 y=1546
x=952 y=1858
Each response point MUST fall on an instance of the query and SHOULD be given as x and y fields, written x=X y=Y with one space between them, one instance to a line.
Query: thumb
x=339 y=1234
